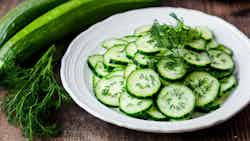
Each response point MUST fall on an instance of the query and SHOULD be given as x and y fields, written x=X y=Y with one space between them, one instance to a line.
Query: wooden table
x=78 y=125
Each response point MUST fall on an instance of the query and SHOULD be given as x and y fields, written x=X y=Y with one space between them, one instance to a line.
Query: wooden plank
x=78 y=125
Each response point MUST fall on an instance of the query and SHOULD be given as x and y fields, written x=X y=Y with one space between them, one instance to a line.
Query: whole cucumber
x=70 y=17
x=22 y=15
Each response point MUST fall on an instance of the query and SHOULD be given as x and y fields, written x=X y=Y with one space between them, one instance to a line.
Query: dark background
x=78 y=125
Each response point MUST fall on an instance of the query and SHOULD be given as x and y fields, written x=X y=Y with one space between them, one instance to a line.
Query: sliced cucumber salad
x=164 y=72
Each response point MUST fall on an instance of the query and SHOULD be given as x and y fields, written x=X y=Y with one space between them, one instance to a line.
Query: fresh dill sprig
x=34 y=95
x=173 y=38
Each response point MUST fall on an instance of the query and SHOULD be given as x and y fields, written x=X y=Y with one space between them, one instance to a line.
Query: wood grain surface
x=78 y=125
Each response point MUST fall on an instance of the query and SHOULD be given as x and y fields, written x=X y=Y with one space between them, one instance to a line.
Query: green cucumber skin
x=70 y=17
x=22 y=15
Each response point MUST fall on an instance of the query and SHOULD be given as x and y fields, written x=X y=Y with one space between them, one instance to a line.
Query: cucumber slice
x=147 y=45
x=116 y=73
x=212 y=44
x=176 y=101
x=143 y=60
x=93 y=60
x=197 y=44
x=131 y=50
x=197 y=58
x=95 y=80
x=113 y=42
x=116 y=57
x=129 y=69
x=205 y=87
x=227 y=84
x=219 y=74
x=225 y=49
x=130 y=38
x=142 y=30
x=101 y=70
x=205 y=32
x=134 y=106
x=108 y=90
x=216 y=103
x=143 y=83
x=155 y=114
x=171 y=68
x=221 y=60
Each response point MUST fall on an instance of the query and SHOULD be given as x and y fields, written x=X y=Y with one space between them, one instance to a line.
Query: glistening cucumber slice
x=227 y=84
x=155 y=114
x=176 y=101
x=113 y=42
x=147 y=45
x=116 y=56
x=205 y=86
x=142 y=29
x=171 y=68
x=197 y=58
x=134 y=106
x=197 y=44
x=221 y=60
x=108 y=90
x=205 y=32
x=131 y=50
x=143 y=83
x=129 y=69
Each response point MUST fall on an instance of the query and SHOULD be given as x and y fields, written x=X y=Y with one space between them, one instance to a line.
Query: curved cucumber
x=22 y=15
x=70 y=17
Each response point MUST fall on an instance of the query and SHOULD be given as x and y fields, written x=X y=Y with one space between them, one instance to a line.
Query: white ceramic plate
x=76 y=75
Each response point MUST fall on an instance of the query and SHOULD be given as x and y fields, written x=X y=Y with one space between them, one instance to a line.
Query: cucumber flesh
x=95 y=79
x=116 y=57
x=145 y=44
x=155 y=114
x=101 y=70
x=93 y=60
x=134 y=106
x=205 y=32
x=227 y=83
x=143 y=60
x=131 y=50
x=129 y=69
x=143 y=83
x=221 y=60
x=205 y=86
x=197 y=58
x=212 y=44
x=130 y=38
x=142 y=30
x=108 y=90
x=197 y=44
x=176 y=101
x=113 y=42
x=115 y=73
x=225 y=49
x=171 y=68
